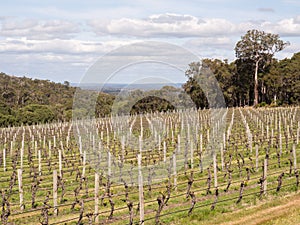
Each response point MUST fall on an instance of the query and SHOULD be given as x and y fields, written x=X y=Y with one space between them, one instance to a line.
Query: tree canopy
x=255 y=50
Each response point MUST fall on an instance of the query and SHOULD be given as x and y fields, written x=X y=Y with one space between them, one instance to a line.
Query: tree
x=283 y=81
x=67 y=83
x=224 y=74
x=192 y=87
x=151 y=104
x=34 y=114
x=258 y=48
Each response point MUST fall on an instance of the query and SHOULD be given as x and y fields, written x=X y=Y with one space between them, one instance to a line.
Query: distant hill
x=114 y=88
x=30 y=101
x=21 y=91
x=22 y=100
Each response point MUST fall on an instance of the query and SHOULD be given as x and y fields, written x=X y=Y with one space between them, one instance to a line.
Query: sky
x=61 y=40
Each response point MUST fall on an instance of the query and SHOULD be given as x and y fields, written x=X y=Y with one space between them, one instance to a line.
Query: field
x=192 y=167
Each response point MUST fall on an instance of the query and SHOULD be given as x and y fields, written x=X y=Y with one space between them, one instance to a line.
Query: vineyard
x=147 y=169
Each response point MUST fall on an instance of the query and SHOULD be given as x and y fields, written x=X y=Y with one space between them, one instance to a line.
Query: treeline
x=28 y=101
x=31 y=101
x=278 y=82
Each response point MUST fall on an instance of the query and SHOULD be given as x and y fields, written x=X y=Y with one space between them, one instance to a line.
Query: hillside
x=31 y=101
x=25 y=100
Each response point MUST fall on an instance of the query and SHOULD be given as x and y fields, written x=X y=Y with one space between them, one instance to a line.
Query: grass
x=273 y=210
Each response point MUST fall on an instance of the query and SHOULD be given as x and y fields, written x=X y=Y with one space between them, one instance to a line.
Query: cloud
x=57 y=46
x=187 y=26
x=163 y=25
x=266 y=10
x=37 y=29
x=155 y=26
x=286 y=28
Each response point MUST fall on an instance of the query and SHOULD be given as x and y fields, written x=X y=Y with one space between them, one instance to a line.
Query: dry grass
x=286 y=213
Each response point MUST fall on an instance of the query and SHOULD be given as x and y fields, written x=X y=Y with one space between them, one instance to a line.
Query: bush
x=34 y=113
x=5 y=109
x=7 y=120
x=262 y=104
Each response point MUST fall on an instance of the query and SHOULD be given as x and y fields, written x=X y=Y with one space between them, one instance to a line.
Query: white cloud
x=38 y=30
x=57 y=46
x=155 y=26
x=187 y=26
x=286 y=27
x=164 y=25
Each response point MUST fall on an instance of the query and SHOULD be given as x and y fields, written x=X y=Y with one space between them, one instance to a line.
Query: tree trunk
x=256 y=84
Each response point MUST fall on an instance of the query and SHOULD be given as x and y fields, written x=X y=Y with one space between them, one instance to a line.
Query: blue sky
x=60 y=40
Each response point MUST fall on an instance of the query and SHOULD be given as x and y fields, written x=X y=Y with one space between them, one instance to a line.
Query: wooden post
x=294 y=156
x=192 y=155
x=20 y=189
x=40 y=163
x=142 y=128
x=68 y=139
x=222 y=157
x=123 y=148
x=44 y=142
x=107 y=137
x=298 y=133
x=178 y=143
x=165 y=152
x=265 y=175
x=55 y=192
x=224 y=141
x=207 y=135
x=101 y=136
x=83 y=164
x=159 y=143
x=4 y=159
x=272 y=135
x=201 y=143
x=256 y=156
x=96 y=198
x=11 y=148
x=140 y=143
x=109 y=164
x=280 y=144
x=80 y=145
x=215 y=169
x=35 y=149
x=54 y=141
x=250 y=141
x=174 y=171
x=141 y=191
x=22 y=153
x=62 y=148
x=49 y=148
x=60 y=161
